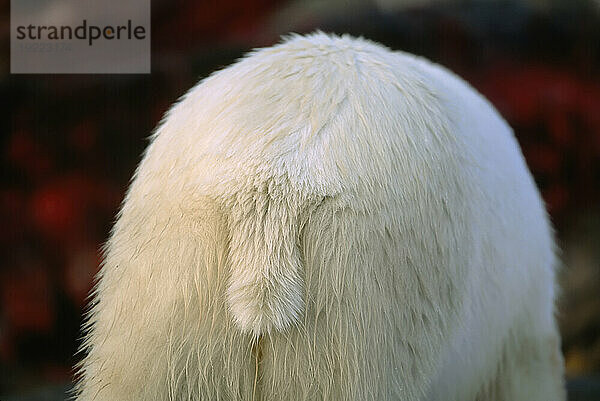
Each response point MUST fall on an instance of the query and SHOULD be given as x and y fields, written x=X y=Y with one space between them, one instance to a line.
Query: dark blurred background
x=70 y=143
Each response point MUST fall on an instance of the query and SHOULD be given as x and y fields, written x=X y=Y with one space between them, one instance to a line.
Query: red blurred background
x=70 y=144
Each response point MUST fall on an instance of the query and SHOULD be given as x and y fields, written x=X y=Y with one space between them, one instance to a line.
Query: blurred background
x=70 y=143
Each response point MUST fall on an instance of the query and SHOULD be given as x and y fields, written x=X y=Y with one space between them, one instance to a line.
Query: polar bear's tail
x=266 y=287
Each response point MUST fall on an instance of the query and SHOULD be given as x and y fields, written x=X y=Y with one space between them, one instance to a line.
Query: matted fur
x=327 y=220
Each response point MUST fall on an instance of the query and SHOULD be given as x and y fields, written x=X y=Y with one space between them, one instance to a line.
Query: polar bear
x=327 y=219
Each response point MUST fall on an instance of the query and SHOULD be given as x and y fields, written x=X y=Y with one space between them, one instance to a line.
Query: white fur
x=328 y=220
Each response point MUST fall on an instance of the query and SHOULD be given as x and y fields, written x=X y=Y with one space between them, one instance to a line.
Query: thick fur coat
x=328 y=220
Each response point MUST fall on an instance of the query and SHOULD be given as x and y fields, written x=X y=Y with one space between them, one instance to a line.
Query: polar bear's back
x=325 y=219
